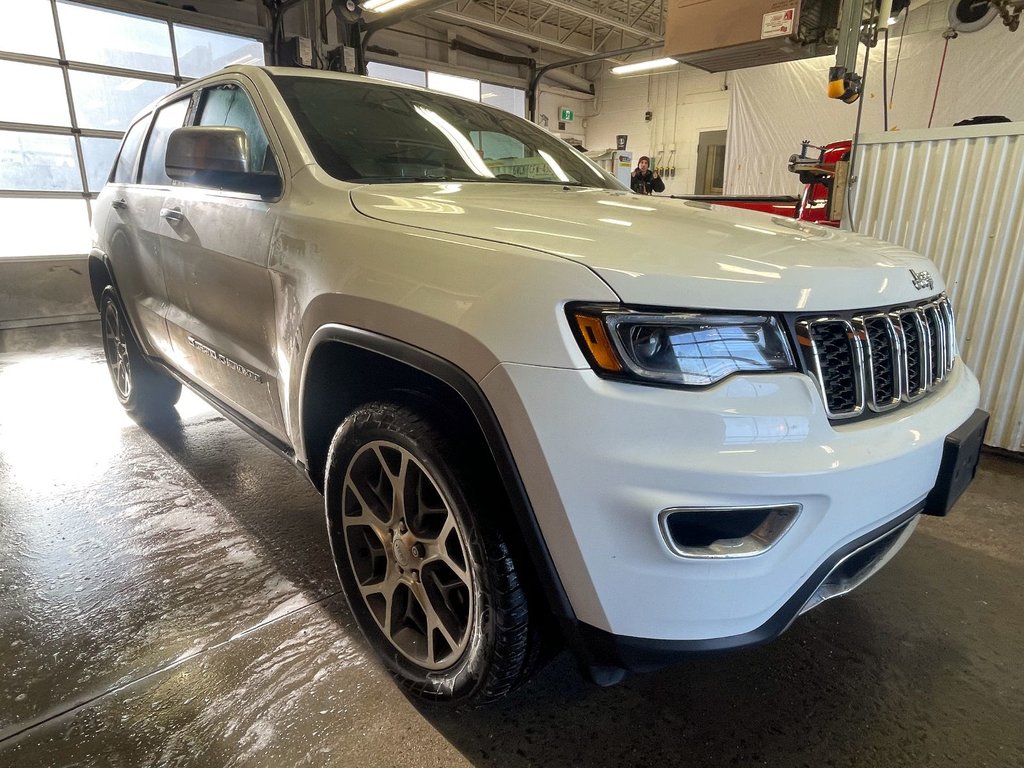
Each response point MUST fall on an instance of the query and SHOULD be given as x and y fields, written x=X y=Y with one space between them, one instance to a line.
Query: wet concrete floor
x=167 y=598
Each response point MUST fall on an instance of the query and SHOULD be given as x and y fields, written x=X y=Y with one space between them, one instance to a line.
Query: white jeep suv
x=539 y=406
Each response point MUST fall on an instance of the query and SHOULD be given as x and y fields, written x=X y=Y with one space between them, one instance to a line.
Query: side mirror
x=216 y=156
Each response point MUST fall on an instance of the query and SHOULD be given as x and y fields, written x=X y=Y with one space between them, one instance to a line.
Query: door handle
x=119 y=203
x=173 y=215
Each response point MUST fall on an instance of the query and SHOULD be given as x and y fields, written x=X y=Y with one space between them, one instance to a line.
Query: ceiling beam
x=606 y=21
x=475 y=37
x=503 y=31
x=500 y=30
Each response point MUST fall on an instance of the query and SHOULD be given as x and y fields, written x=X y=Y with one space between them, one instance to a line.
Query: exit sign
x=566 y=115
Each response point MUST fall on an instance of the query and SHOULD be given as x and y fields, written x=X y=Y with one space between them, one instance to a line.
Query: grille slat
x=933 y=316
x=835 y=355
x=917 y=354
x=879 y=360
x=884 y=362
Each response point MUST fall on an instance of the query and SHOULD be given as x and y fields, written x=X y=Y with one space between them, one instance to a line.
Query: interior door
x=710 y=163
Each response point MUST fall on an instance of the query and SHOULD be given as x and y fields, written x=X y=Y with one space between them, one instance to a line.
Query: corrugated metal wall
x=957 y=196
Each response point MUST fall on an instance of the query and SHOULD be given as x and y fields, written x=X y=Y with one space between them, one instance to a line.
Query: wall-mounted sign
x=566 y=115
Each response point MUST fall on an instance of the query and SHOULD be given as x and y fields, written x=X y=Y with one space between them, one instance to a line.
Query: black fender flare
x=460 y=382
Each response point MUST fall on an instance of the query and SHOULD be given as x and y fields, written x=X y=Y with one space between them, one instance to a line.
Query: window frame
x=262 y=115
x=58 y=61
x=196 y=115
x=185 y=120
x=515 y=85
x=146 y=121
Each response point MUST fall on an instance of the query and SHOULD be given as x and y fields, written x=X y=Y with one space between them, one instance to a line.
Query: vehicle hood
x=665 y=252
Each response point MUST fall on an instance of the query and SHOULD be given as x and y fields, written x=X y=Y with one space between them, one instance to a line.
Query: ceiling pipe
x=527 y=37
x=566 y=79
x=362 y=31
x=605 y=21
x=412 y=11
x=531 y=90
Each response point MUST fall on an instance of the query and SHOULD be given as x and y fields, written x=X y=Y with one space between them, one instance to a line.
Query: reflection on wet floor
x=167 y=597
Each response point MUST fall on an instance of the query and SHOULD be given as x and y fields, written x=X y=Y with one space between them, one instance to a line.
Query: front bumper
x=843 y=571
x=600 y=460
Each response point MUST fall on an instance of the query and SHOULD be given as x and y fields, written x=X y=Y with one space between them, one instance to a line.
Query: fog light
x=718 y=532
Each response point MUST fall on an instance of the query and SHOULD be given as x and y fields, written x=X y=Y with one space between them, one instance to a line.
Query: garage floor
x=167 y=598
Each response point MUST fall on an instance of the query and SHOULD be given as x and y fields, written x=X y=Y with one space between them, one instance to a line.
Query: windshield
x=372 y=132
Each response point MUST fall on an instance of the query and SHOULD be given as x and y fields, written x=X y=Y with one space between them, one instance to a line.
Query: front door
x=221 y=300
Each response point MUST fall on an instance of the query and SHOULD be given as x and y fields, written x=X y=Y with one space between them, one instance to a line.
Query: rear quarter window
x=123 y=171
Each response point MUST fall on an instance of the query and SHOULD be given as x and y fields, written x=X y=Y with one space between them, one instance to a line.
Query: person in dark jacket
x=645 y=181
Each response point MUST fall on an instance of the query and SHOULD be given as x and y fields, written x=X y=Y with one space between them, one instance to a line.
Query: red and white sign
x=778 y=23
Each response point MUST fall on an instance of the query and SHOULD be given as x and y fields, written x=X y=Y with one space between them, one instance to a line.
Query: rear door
x=121 y=209
x=221 y=299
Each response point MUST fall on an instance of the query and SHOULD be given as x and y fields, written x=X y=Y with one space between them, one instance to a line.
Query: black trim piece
x=468 y=389
x=788 y=199
x=228 y=412
x=104 y=260
x=960 y=453
x=638 y=654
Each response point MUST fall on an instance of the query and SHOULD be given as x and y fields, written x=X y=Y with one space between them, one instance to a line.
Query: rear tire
x=428 y=577
x=142 y=390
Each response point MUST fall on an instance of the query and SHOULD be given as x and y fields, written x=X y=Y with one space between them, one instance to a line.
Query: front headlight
x=681 y=348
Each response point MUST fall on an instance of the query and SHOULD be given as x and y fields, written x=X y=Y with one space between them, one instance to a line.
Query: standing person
x=645 y=181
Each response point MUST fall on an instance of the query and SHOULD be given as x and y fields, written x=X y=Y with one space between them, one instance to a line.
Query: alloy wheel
x=115 y=346
x=408 y=555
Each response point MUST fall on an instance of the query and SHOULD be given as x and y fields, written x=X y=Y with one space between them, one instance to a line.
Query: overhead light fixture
x=893 y=11
x=643 y=66
x=381 y=6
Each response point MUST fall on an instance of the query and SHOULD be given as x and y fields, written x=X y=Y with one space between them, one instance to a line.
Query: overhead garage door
x=74 y=75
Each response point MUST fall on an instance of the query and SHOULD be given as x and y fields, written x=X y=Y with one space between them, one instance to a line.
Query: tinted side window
x=124 y=167
x=167 y=119
x=229 y=105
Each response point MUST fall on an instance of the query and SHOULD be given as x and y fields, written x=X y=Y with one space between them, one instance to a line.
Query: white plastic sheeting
x=773 y=108
x=956 y=195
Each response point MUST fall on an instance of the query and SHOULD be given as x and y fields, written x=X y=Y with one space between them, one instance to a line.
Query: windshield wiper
x=559 y=183
x=501 y=178
x=409 y=179
x=528 y=180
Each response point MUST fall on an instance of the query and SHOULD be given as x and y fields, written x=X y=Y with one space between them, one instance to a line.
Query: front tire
x=427 y=575
x=141 y=389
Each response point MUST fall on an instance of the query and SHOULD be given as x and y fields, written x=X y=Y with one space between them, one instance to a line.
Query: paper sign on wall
x=777 y=23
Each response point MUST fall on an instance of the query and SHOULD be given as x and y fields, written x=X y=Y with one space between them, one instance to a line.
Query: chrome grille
x=875 y=361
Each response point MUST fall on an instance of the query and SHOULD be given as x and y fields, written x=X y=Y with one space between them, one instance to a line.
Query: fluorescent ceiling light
x=643 y=66
x=380 y=6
